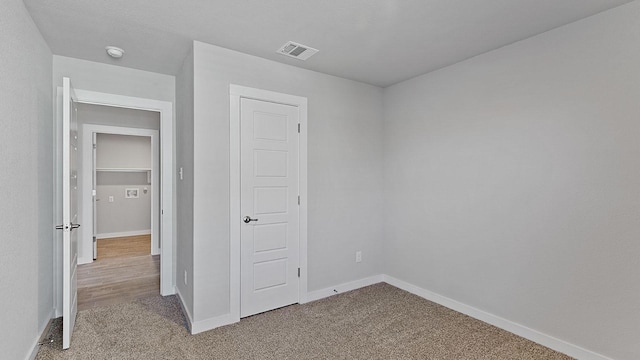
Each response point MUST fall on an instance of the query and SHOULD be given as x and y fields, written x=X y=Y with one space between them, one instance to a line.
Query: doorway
x=119 y=252
x=120 y=179
x=124 y=186
x=166 y=181
x=268 y=200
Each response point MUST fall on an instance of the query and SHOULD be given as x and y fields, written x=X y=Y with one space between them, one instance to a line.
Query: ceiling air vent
x=297 y=51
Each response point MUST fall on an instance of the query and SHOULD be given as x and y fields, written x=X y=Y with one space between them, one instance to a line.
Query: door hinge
x=298 y=272
x=298 y=199
x=298 y=128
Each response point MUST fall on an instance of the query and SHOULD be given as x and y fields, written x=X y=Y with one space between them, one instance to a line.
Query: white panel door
x=269 y=206
x=69 y=212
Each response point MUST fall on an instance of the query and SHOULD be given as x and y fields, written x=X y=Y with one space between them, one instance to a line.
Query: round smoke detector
x=114 y=52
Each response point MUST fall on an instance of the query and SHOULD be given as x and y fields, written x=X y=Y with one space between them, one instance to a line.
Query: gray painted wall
x=26 y=218
x=123 y=214
x=344 y=170
x=511 y=182
x=184 y=156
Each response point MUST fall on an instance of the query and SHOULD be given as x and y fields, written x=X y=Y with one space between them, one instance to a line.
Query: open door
x=94 y=193
x=69 y=212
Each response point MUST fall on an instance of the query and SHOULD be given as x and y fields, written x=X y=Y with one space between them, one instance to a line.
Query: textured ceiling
x=380 y=42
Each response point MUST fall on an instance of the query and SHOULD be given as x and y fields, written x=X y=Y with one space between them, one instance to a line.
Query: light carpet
x=376 y=322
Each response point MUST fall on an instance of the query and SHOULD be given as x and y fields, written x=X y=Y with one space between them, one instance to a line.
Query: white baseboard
x=35 y=347
x=185 y=311
x=196 y=327
x=171 y=290
x=510 y=326
x=34 y=351
x=123 y=234
x=551 y=342
x=352 y=285
x=82 y=260
x=212 y=323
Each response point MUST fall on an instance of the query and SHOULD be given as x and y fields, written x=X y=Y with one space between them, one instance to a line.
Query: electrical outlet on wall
x=358 y=256
x=110 y=198
x=185 y=277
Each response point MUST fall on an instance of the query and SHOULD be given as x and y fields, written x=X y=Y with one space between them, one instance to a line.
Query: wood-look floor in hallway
x=124 y=271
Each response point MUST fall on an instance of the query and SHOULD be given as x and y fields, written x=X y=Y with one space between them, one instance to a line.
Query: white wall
x=345 y=186
x=26 y=219
x=184 y=156
x=511 y=182
x=123 y=215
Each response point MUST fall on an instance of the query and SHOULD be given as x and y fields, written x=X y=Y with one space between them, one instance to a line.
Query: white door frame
x=86 y=147
x=167 y=208
x=237 y=92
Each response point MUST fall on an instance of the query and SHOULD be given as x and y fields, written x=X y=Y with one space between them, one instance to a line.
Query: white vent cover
x=297 y=51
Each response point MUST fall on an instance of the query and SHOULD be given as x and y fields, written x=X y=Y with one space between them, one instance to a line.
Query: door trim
x=236 y=93
x=165 y=108
x=85 y=186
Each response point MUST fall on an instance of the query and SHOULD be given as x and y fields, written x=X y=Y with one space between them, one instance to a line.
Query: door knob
x=65 y=227
x=248 y=219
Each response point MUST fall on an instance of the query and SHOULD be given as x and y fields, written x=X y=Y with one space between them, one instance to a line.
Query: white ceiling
x=380 y=42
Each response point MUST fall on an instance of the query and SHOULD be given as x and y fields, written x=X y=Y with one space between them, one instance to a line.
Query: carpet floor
x=376 y=322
